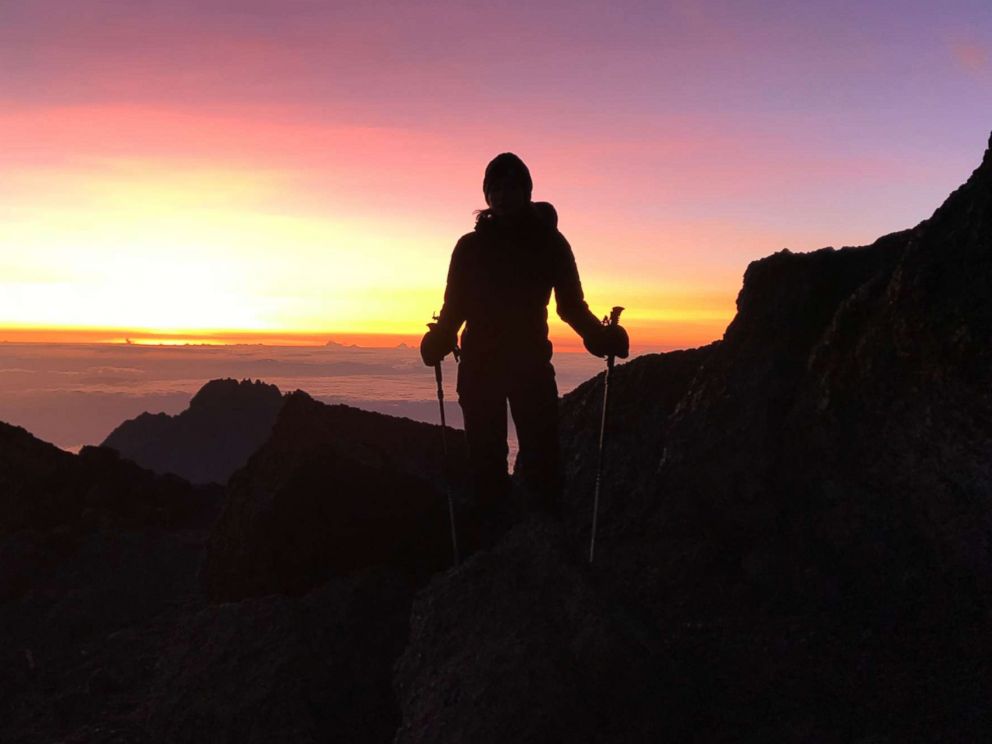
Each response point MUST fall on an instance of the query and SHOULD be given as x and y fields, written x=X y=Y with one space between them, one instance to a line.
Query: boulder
x=285 y=669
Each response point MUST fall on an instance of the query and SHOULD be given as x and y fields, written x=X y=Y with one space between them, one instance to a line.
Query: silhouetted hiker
x=499 y=284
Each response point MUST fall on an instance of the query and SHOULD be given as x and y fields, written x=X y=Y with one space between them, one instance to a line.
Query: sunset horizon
x=298 y=169
x=563 y=339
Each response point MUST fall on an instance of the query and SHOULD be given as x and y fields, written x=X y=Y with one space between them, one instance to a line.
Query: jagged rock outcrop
x=285 y=669
x=110 y=636
x=96 y=554
x=833 y=447
x=520 y=645
x=643 y=392
x=796 y=532
x=334 y=490
x=37 y=482
x=43 y=487
x=226 y=421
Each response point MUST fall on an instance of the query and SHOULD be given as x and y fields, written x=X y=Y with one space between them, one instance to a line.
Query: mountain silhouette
x=226 y=421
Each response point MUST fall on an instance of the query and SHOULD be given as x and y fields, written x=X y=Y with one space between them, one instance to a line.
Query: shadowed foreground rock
x=518 y=645
x=280 y=669
x=108 y=635
x=96 y=556
x=528 y=644
x=333 y=491
x=43 y=487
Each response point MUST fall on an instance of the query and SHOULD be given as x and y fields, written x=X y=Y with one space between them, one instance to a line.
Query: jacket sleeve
x=452 y=313
x=570 y=300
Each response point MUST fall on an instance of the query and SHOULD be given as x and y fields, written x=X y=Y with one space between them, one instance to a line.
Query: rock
x=643 y=392
x=23 y=559
x=517 y=645
x=226 y=421
x=278 y=669
x=38 y=482
x=43 y=487
x=334 y=490
x=89 y=545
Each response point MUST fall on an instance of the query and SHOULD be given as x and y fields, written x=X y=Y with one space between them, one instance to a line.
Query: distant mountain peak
x=222 y=393
x=226 y=421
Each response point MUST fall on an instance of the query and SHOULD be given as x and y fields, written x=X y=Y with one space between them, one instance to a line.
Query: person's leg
x=483 y=404
x=534 y=405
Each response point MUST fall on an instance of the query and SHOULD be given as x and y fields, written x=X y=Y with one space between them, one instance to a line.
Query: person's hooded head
x=507 y=184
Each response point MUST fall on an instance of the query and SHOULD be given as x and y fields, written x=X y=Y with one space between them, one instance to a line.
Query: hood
x=537 y=215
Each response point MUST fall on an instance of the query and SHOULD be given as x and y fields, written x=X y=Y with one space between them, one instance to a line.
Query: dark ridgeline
x=226 y=421
x=334 y=490
x=107 y=572
x=98 y=558
x=45 y=488
x=794 y=545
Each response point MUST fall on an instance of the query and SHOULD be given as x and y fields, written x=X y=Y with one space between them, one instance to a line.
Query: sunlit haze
x=294 y=172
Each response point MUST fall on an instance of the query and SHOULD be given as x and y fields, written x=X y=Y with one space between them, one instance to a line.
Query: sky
x=300 y=170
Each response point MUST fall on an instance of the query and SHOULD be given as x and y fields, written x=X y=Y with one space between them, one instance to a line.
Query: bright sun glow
x=177 y=256
x=173 y=253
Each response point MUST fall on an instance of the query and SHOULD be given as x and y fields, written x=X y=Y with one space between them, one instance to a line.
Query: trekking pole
x=613 y=320
x=444 y=453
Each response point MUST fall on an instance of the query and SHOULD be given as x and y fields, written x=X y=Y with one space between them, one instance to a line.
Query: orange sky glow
x=295 y=172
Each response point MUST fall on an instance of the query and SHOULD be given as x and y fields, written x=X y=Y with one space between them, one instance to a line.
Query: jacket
x=500 y=281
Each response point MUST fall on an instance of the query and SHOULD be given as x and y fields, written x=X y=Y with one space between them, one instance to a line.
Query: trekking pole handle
x=454 y=350
x=613 y=320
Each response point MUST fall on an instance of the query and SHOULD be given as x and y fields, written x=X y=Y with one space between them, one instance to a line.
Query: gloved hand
x=608 y=340
x=436 y=345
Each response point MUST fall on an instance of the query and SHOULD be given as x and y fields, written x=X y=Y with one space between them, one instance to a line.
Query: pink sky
x=307 y=166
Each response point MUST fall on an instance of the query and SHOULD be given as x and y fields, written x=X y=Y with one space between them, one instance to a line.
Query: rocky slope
x=110 y=636
x=226 y=421
x=94 y=553
x=43 y=487
x=335 y=489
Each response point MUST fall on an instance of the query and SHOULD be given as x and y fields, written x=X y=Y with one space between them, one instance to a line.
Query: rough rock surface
x=642 y=392
x=519 y=645
x=108 y=635
x=43 y=487
x=285 y=669
x=226 y=421
x=833 y=451
x=95 y=554
x=334 y=490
